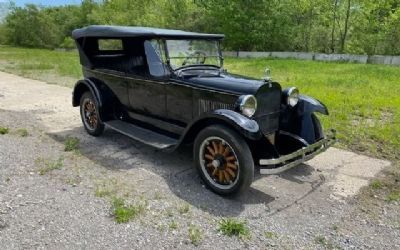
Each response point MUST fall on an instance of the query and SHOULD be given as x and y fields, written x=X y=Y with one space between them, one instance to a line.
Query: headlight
x=291 y=96
x=247 y=105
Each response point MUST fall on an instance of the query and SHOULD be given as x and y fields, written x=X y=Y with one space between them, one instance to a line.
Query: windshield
x=183 y=53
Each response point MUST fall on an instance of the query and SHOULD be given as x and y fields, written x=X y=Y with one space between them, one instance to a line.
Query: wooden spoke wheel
x=90 y=115
x=223 y=160
x=219 y=161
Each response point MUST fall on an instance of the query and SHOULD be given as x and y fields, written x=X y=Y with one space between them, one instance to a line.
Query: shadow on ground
x=117 y=152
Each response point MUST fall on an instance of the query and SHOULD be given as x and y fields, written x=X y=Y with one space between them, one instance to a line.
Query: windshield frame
x=191 y=66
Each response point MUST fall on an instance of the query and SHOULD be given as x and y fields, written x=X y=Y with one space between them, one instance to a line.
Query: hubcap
x=219 y=162
x=90 y=114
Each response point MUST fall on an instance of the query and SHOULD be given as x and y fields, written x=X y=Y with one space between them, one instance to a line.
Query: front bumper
x=286 y=162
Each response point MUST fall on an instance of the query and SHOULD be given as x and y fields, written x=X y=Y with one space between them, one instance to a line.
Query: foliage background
x=329 y=26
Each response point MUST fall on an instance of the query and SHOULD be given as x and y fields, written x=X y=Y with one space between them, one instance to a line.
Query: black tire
x=90 y=118
x=210 y=169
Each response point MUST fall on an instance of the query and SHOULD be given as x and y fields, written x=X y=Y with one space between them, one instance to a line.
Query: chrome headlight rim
x=292 y=96
x=247 y=105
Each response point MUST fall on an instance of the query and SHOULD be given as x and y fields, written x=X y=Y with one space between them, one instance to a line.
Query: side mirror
x=267 y=75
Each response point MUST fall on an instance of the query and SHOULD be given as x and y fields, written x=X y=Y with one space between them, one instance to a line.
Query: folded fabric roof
x=106 y=31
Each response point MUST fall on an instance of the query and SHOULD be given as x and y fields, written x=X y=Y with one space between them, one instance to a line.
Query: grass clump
x=3 y=130
x=195 y=235
x=320 y=240
x=22 y=132
x=173 y=225
x=376 y=184
x=123 y=213
x=394 y=196
x=71 y=144
x=233 y=227
x=270 y=235
x=184 y=209
x=48 y=166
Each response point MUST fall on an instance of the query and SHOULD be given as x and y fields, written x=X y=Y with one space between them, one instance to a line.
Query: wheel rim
x=219 y=162
x=89 y=114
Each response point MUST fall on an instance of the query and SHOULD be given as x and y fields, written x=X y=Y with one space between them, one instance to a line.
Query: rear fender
x=105 y=98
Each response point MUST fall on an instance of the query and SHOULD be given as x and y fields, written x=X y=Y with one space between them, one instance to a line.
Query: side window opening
x=110 y=45
x=155 y=55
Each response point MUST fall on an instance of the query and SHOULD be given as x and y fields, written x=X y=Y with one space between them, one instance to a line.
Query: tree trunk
x=346 y=27
x=334 y=26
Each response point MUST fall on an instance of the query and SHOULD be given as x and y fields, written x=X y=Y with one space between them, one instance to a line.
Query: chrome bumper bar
x=289 y=161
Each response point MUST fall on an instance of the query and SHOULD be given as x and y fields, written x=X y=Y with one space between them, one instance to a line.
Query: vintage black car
x=166 y=88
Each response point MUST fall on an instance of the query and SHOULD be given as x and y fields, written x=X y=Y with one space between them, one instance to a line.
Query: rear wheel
x=223 y=160
x=90 y=115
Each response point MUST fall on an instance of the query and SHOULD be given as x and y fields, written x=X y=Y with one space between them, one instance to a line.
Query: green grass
x=195 y=235
x=55 y=67
x=173 y=225
x=394 y=196
x=3 y=130
x=22 y=132
x=233 y=227
x=363 y=100
x=270 y=235
x=184 y=209
x=123 y=213
x=71 y=144
x=47 y=166
x=376 y=184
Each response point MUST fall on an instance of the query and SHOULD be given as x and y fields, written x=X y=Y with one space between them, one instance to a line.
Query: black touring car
x=166 y=88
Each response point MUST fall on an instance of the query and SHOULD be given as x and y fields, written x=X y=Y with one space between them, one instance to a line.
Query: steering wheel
x=198 y=55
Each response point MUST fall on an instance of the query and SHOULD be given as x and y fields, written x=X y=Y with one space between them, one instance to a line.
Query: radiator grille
x=268 y=111
x=209 y=105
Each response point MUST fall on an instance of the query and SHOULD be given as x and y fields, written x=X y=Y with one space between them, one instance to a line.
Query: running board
x=143 y=135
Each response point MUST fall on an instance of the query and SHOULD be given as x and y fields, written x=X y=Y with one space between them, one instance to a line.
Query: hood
x=225 y=82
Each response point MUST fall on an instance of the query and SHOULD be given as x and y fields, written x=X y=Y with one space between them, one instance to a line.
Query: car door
x=147 y=92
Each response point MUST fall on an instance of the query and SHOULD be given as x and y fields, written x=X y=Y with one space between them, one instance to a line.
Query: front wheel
x=223 y=160
x=90 y=115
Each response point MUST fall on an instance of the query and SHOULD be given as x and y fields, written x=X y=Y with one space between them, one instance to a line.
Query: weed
x=123 y=213
x=195 y=235
x=3 y=130
x=22 y=132
x=173 y=225
x=102 y=192
x=233 y=227
x=170 y=213
x=394 y=196
x=158 y=195
x=320 y=240
x=184 y=209
x=71 y=144
x=161 y=227
x=270 y=235
x=376 y=184
x=48 y=166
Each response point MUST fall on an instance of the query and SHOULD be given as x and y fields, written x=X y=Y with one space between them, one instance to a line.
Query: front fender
x=301 y=120
x=308 y=105
x=243 y=125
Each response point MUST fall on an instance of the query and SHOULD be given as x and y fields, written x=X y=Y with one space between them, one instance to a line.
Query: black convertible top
x=106 y=31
